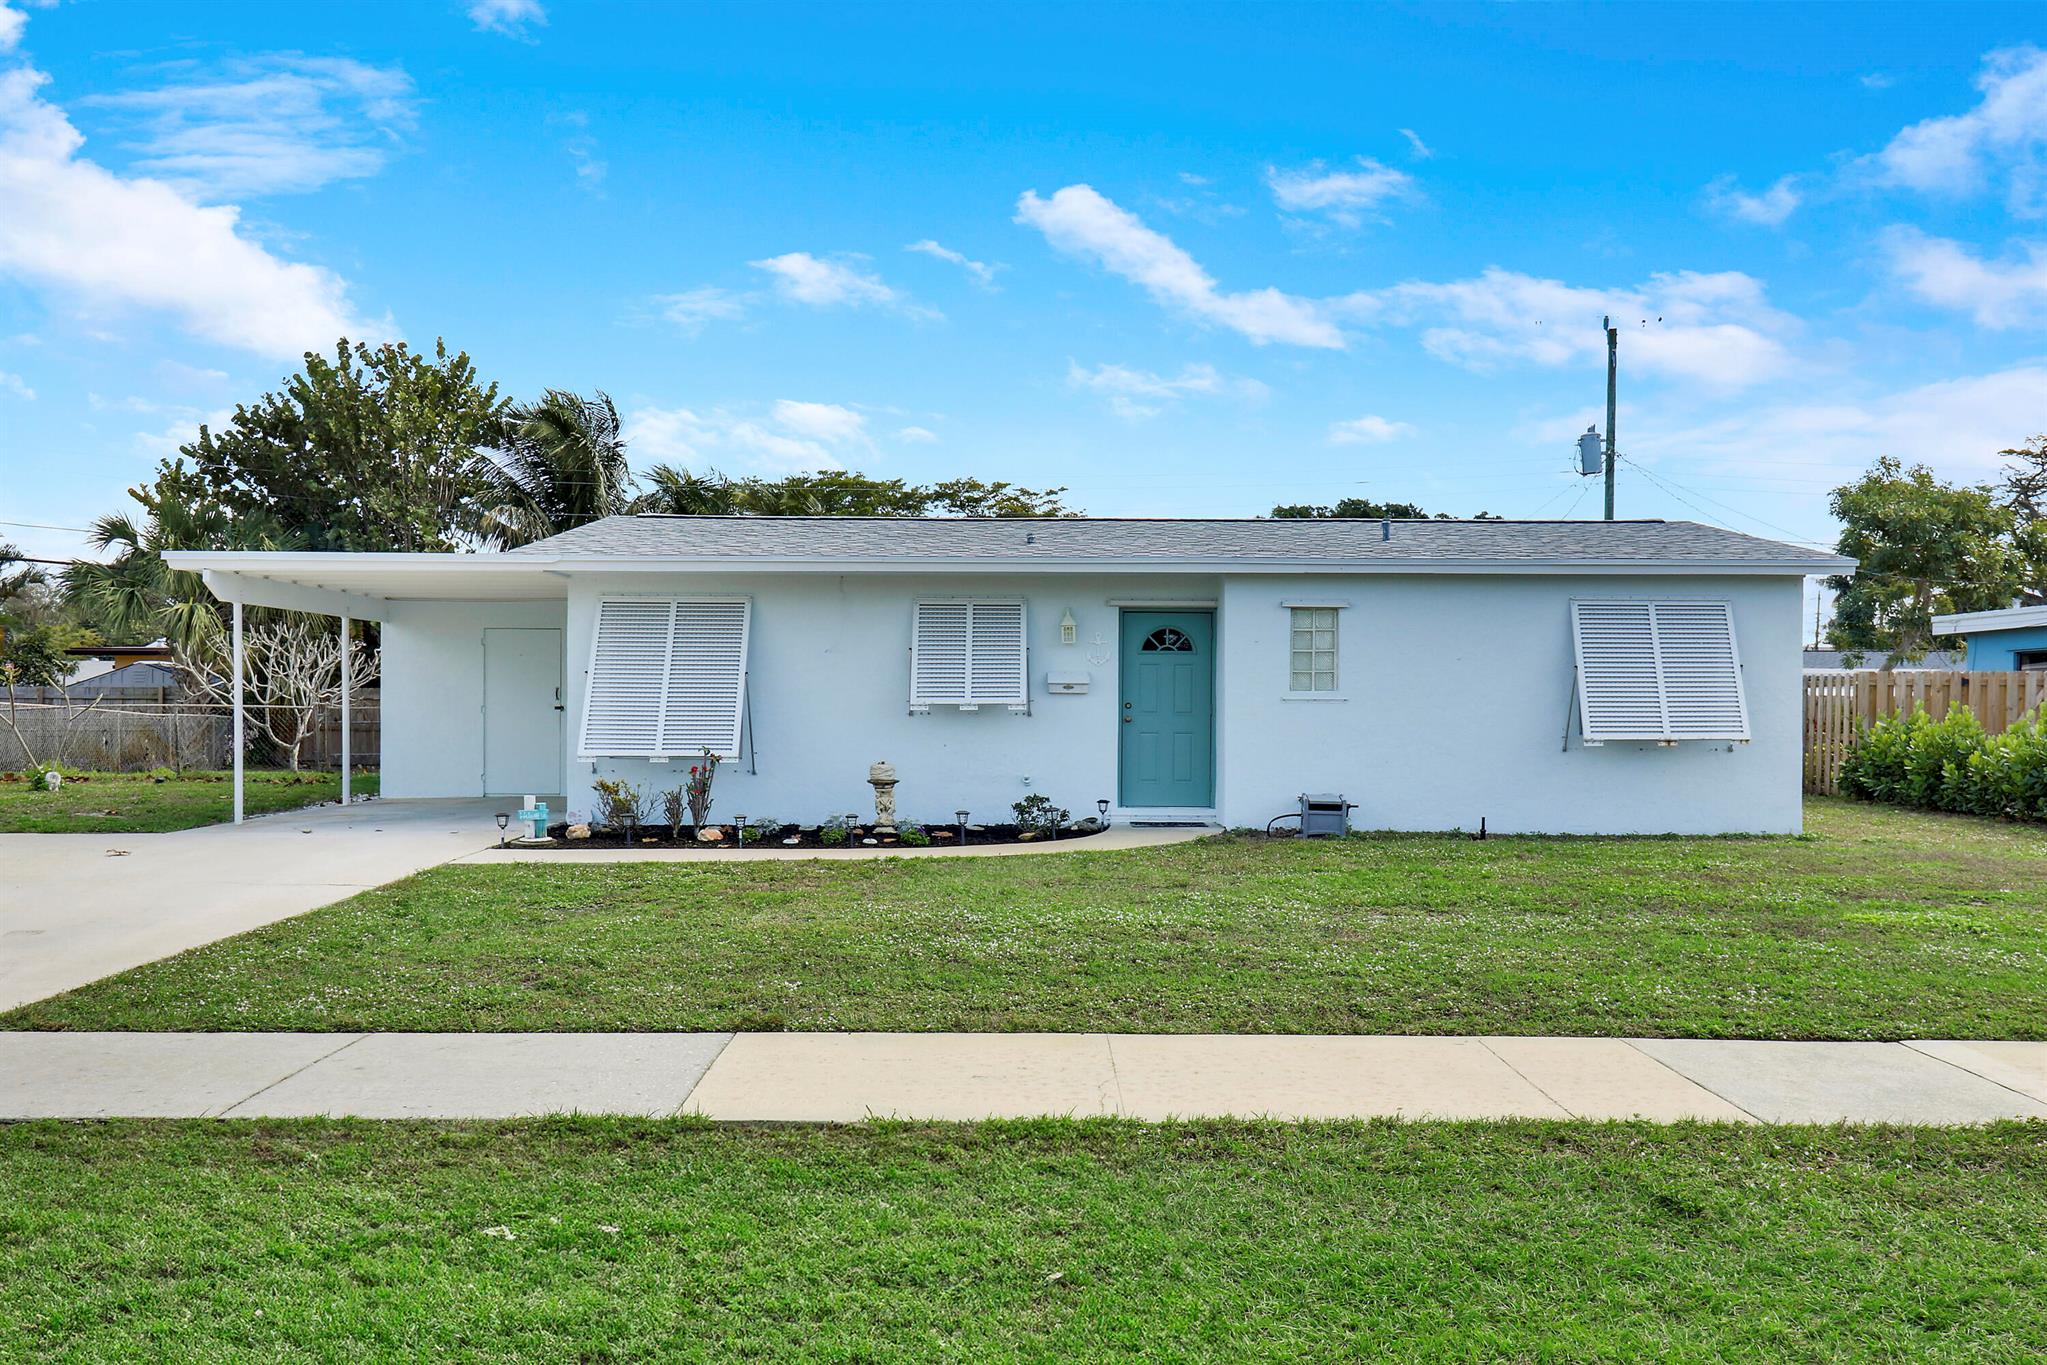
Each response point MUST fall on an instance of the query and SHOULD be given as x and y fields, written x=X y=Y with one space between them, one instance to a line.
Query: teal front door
x=1166 y=713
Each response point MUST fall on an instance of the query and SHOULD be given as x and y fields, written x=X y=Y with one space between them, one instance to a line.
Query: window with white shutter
x=667 y=677
x=968 y=654
x=1658 y=671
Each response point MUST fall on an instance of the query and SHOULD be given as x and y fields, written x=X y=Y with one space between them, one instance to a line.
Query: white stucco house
x=1561 y=676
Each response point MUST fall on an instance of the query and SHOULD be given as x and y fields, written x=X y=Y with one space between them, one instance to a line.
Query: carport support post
x=237 y=665
x=347 y=686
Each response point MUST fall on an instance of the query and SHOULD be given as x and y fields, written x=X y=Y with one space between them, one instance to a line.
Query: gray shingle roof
x=1133 y=540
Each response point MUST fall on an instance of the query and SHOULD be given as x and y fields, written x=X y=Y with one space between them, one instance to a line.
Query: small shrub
x=832 y=832
x=914 y=838
x=758 y=831
x=1036 y=812
x=674 y=805
x=621 y=806
x=699 y=788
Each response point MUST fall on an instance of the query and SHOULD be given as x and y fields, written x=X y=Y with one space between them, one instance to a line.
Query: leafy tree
x=1364 y=509
x=1925 y=547
x=841 y=493
x=560 y=463
x=376 y=449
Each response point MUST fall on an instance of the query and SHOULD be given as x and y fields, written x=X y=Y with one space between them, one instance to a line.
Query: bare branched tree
x=294 y=676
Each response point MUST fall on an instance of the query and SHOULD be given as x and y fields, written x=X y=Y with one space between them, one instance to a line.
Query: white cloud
x=917 y=435
x=1083 y=223
x=509 y=17
x=12 y=22
x=1957 y=426
x=1369 y=430
x=1422 y=151
x=1768 y=209
x=581 y=146
x=806 y=279
x=1713 y=328
x=803 y=278
x=276 y=123
x=794 y=436
x=1999 y=294
x=1877 y=80
x=109 y=242
x=16 y=385
x=693 y=308
x=1341 y=196
x=183 y=429
x=826 y=422
x=2006 y=131
x=982 y=271
x=1136 y=394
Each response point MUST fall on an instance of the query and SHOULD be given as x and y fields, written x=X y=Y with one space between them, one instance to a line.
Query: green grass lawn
x=1880 y=923
x=131 y=803
x=591 y=1239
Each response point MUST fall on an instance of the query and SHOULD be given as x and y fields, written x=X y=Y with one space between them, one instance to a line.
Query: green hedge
x=1952 y=764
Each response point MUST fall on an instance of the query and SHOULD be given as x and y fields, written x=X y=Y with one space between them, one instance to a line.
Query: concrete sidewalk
x=845 y=1077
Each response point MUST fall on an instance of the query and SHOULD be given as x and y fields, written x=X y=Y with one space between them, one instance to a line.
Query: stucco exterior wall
x=432 y=685
x=1455 y=692
x=1992 y=651
x=829 y=667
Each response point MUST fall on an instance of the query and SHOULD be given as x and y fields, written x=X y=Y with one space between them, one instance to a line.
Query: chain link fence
x=137 y=736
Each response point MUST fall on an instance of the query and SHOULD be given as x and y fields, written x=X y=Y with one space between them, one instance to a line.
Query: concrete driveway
x=77 y=907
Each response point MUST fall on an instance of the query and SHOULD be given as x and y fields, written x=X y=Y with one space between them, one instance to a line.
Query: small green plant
x=759 y=831
x=1036 y=813
x=674 y=805
x=621 y=806
x=914 y=837
x=832 y=832
x=43 y=777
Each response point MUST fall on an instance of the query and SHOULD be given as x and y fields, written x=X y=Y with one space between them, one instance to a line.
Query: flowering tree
x=294 y=676
x=699 y=788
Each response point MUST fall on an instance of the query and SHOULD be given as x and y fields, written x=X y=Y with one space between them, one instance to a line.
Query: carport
x=350 y=588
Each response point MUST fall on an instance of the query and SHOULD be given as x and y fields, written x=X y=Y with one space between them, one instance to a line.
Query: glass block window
x=1312 y=665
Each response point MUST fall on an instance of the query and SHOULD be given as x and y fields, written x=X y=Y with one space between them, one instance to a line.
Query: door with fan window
x=1165 y=714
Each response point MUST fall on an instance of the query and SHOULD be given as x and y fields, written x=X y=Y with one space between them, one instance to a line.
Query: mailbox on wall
x=1066 y=684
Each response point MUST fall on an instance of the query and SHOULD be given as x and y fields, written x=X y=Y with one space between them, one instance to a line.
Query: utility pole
x=1613 y=346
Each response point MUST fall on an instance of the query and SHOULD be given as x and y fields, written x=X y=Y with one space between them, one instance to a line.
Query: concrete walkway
x=78 y=907
x=845 y=1077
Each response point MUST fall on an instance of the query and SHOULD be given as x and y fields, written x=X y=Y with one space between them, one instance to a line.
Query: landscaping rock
x=1090 y=825
x=710 y=836
x=579 y=831
x=870 y=842
x=1027 y=836
x=942 y=834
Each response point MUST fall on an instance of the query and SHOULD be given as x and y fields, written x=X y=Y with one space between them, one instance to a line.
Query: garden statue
x=882 y=777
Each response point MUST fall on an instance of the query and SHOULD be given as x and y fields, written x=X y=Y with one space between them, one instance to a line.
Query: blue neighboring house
x=2009 y=638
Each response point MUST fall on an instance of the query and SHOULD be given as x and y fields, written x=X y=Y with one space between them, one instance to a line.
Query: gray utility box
x=1324 y=813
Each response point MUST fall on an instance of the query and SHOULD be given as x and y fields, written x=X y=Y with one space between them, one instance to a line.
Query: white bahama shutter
x=968 y=654
x=667 y=678
x=1658 y=671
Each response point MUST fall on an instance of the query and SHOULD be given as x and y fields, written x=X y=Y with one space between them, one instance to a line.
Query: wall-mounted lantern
x=1069 y=629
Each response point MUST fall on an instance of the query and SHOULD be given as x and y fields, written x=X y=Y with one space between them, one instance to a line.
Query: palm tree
x=136 y=595
x=14 y=582
x=561 y=463
x=679 y=493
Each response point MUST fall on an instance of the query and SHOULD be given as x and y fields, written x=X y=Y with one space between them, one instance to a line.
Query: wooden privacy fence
x=1839 y=704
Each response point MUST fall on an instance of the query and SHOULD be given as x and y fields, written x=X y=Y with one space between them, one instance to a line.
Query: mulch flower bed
x=859 y=836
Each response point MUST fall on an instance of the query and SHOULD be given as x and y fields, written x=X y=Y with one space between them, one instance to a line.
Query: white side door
x=522 y=711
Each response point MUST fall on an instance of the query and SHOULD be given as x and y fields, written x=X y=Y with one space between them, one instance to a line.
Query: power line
x=1673 y=490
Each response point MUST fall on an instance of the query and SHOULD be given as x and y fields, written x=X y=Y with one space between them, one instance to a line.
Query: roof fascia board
x=2002 y=618
x=668 y=564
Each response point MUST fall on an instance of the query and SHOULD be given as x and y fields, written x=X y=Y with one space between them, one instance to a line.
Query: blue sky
x=1184 y=260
